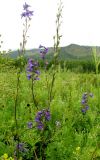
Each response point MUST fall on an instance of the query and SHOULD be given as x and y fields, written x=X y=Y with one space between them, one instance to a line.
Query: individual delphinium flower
x=42 y=117
x=43 y=51
x=32 y=70
x=21 y=147
x=27 y=13
x=84 y=102
x=26 y=6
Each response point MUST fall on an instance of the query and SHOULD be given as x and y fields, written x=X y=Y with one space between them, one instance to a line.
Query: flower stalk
x=57 y=38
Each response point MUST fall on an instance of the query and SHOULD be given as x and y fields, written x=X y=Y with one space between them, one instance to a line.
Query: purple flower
x=83 y=110
x=30 y=60
x=39 y=112
x=36 y=78
x=84 y=96
x=30 y=67
x=37 y=72
x=30 y=125
x=20 y=147
x=27 y=13
x=43 y=51
x=84 y=101
x=37 y=119
x=40 y=126
x=29 y=76
x=32 y=70
x=47 y=115
x=26 y=6
x=42 y=117
x=86 y=108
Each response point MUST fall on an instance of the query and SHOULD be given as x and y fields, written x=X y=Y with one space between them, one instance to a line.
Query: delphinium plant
x=84 y=102
x=57 y=38
x=50 y=81
x=43 y=116
x=44 y=50
x=85 y=123
x=26 y=14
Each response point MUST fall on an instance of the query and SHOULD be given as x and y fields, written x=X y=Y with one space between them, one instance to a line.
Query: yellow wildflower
x=5 y=156
x=77 y=149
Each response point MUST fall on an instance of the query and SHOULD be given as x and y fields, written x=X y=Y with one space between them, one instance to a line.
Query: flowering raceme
x=32 y=70
x=43 y=51
x=84 y=102
x=27 y=13
x=41 y=118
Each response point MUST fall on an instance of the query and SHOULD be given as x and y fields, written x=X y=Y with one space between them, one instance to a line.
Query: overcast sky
x=81 y=22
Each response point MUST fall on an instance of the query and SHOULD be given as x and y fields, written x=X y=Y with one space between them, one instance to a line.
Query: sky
x=80 y=23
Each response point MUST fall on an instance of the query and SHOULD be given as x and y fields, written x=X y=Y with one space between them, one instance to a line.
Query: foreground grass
x=77 y=136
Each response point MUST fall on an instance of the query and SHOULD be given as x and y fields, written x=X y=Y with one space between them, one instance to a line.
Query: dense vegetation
x=49 y=104
x=72 y=134
x=80 y=66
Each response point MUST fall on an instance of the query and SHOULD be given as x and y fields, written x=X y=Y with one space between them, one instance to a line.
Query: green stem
x=33 y=95
x=15 y=112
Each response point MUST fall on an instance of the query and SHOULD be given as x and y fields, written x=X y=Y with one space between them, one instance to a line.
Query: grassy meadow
x=72 y=134
x=50 y=109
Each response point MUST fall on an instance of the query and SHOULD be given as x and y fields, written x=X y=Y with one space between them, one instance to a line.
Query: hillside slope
x=70 y=52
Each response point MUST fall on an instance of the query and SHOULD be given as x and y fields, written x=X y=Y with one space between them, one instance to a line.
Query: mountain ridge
x=72 y=51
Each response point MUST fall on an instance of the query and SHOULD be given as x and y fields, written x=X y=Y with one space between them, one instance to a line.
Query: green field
x=49 y=97
x=71 y=134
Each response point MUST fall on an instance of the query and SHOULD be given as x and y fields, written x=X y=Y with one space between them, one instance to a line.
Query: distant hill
x=70 y=52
